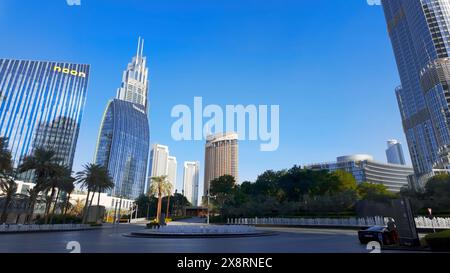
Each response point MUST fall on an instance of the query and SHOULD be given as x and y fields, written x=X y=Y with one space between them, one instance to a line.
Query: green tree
x=62 y=179
x=222 y=189
x=57 y=178
x=68 y=187
x=94 y=178
x=6 y=165
x=44 y=164
x=159 y=186
x=374 y=192
x=345 y=181
x=8 y=186
x=437 y=192
x=179 y=202
x=267 y=184
x=8 y=189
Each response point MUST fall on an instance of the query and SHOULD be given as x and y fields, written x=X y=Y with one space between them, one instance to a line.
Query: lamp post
x=208 y=196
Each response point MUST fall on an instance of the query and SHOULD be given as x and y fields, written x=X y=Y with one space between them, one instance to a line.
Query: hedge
x=439 y=241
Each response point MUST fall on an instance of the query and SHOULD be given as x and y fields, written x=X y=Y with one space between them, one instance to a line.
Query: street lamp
x=208 y=196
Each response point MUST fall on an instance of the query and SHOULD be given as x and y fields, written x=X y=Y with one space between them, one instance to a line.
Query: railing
x=137 y=220
x=31 y=228
x=421 y=222
x=204 y=229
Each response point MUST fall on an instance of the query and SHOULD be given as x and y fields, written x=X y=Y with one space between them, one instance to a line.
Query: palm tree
x=62 y=178
x=159 y=185
x=8 y=187
x=105 y=183
x=6 y=165
x=33 y=195
x=68 y=187
x=168 y=192
x=44 y=163
x=94 y=178
x=53 y=184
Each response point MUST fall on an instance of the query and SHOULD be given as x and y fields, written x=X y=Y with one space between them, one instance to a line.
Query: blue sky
x=327 y=63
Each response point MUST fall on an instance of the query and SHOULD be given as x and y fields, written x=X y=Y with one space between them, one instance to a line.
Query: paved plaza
x=112 y=240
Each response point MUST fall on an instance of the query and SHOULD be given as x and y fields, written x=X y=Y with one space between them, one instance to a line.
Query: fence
x=421 y=222
x=30 y=228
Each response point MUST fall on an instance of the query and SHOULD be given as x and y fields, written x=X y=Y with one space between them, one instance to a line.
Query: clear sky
x=327 y=63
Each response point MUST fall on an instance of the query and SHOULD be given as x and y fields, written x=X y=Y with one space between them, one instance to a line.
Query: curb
x=47 y=231
x=197 y=236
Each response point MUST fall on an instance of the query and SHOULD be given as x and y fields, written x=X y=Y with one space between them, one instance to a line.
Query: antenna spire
x=139 y=45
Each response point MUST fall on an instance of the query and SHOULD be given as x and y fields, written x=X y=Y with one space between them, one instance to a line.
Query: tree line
x=53 y=184
x=292 y=192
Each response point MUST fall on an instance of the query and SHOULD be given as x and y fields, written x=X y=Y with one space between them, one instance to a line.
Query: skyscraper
x=221 y=157
x=134 y=86
x=190 y=181
x=172 y=171
x=419 y=32
x=41 y=105
x=124 y=138
x=394 y=153
x=162 y=164
x=158 y=160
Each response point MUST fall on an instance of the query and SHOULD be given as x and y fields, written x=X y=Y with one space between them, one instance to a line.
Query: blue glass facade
x=41 y=105
x=419 y=32
x=123 y=147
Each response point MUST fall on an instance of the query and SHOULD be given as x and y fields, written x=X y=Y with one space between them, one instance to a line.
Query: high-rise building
x=221 y=157
x=134 y=86
x=124 y=138
x=159 y=157
x=162 y=164
x=41 y=105
x=365 y=169
x=190 y=181
x=419 y=32
x=172 y=171
x=394 y=153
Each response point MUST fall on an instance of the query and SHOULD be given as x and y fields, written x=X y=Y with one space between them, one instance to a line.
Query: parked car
x=376 y=233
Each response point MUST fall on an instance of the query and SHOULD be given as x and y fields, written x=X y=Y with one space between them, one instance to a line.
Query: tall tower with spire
x=124 y=138
x=134 y=86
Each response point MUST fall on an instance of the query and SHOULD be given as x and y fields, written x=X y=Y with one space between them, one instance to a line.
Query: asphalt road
x=111 y=240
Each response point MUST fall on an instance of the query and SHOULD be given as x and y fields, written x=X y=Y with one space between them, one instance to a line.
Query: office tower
x=365 y=169
x=394 y=153
x=134 y=86
x=190 y=181
x=162 y=164
x=159 y=157
x=172 y=171
x=221 y=157
x=123 y=141
x=419 y=32
x=41 y=105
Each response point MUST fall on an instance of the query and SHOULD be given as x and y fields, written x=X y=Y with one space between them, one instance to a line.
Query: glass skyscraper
x=41 y=105
x=394 y=152
x=123 y=142
x=123 y=147
x=420 y=36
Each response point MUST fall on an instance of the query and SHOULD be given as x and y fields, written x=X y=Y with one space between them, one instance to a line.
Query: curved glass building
x=124 y=138
x=123 y=146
